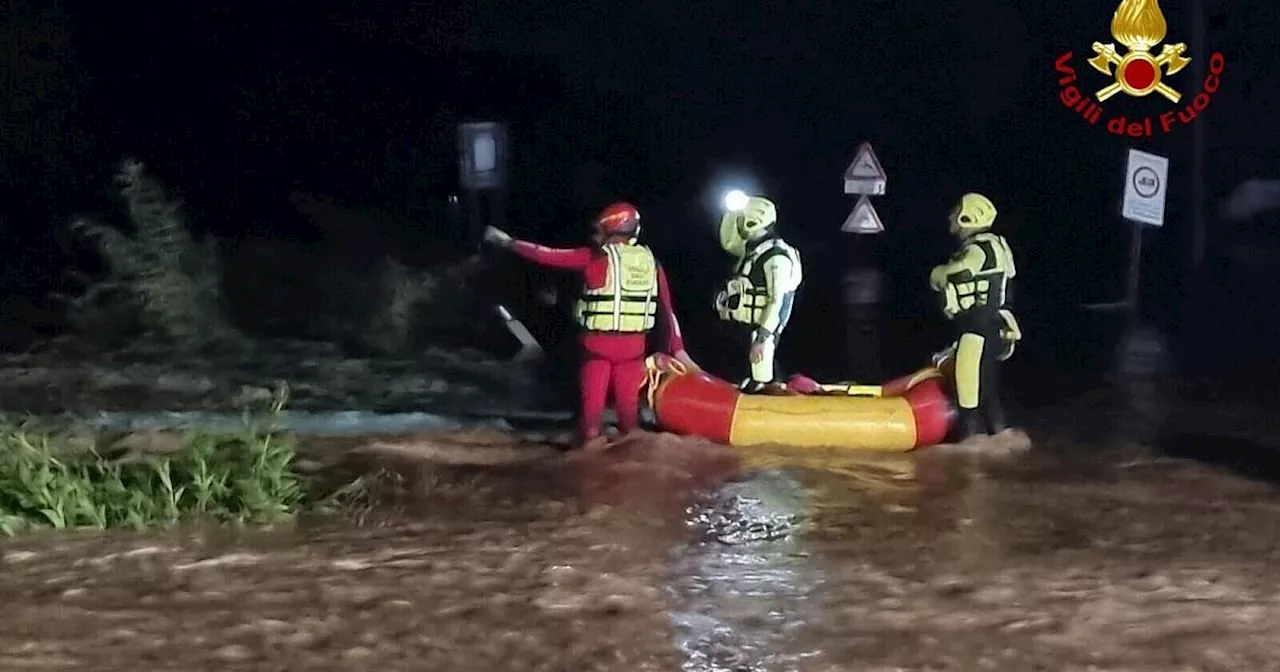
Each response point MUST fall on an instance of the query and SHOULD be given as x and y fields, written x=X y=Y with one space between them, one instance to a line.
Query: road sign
x=482 y=155
x=1146 y=183
x=865 y=175
x=864 y=219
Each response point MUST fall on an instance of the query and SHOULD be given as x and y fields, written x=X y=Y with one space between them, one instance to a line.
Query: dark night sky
x=357 y=100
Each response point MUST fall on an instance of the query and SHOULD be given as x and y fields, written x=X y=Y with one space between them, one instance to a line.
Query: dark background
x=328 y=128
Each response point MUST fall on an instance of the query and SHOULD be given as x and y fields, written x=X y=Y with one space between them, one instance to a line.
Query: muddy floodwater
x=671 y=555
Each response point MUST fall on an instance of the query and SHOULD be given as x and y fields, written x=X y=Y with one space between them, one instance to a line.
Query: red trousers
x=612 y=366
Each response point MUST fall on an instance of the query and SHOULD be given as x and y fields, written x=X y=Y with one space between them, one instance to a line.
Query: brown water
x=613 y=561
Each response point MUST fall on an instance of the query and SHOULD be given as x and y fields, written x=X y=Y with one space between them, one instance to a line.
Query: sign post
x=482 y=174
x=862 y=287
x=1146 y=185
x=1141 y=356
x=482 y=171
x=862 y=282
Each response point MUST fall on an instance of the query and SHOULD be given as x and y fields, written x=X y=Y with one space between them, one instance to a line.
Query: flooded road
x=670 y=555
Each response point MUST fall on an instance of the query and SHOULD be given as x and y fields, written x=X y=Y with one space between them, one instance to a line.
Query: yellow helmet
x=751 y=222
x=972 y=214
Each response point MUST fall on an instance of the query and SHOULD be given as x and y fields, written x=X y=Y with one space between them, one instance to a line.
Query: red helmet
x=619 y=219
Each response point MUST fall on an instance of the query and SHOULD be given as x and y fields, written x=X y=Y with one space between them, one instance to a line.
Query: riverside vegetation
x=66 y=477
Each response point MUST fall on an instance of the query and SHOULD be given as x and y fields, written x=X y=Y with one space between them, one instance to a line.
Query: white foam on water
x=318 y=423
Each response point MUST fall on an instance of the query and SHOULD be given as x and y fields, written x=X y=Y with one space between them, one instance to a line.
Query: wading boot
x=995 y=420
x=776 y=388
x=968 y=425
x=752 y=386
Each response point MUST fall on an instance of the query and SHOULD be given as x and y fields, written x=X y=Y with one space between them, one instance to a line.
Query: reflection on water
x=908 y=563
x=1142 y=377
x=662 y=555
x=742 y=583
x=749 y=586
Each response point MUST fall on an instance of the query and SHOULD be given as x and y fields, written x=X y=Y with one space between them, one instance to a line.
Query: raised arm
x=569 y=258
x=573 y=258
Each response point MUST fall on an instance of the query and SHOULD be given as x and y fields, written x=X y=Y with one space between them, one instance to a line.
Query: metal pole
x=861 y=289
x=1198 y=65
x=498 y=208
x=1133 y=292
x=475 y=218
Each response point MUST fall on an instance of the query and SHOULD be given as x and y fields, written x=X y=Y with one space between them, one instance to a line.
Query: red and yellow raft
x=904 y=414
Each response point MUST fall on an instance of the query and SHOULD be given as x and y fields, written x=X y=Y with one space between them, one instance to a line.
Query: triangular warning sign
x=865 y=166
x=864 y=219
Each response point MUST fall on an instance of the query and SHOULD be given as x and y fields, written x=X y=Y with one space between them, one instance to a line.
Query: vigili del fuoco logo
x=1138 y=25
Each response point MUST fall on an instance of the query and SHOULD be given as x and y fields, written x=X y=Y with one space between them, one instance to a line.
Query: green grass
x=54 y=479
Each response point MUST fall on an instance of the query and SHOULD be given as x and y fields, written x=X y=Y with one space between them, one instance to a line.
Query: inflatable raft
x=904 y=414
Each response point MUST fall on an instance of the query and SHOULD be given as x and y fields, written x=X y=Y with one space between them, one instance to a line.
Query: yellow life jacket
x=746 y=295
x=628 y=300
x=967 y=286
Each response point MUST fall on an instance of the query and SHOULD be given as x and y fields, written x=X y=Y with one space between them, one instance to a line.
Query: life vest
x=628 y=300
x=746 y=295
x=986 y=287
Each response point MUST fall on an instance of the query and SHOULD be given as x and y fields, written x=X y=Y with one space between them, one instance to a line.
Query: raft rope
x=655 y=372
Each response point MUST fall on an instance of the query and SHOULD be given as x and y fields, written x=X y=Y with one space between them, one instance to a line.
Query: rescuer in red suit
x=624 y=292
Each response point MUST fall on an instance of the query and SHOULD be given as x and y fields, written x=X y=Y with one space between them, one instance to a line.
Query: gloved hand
x=720 y=305
x=758 y=340
x=728 y=298
x=1010 y=334
x=939 y=357
x=1009 y=329
x=498 y=237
